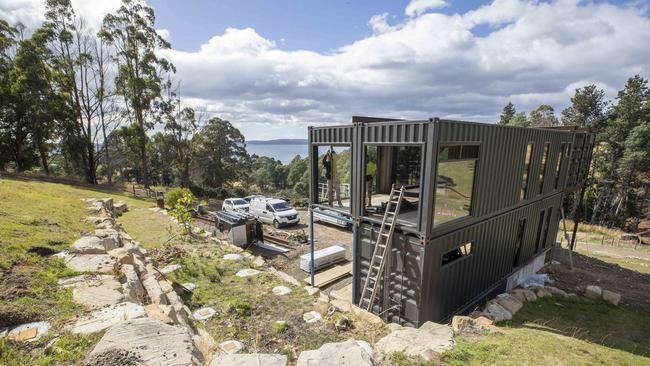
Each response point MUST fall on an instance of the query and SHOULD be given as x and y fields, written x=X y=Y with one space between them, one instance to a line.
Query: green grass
x=247 y=310
x=553 y=331
x=39 y=218
x=639 y=265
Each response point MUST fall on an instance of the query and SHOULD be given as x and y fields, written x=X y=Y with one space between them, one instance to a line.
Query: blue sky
x=313 y=25
x=275 y=67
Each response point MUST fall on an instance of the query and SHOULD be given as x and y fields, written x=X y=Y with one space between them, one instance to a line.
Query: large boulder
x=497 y=312
x=348 y=353
x=593 y=292
x=557 y=291
x=150 y=342
x=104 y=318
x=430 y=339
x=509 y=303
x=131 y=286
x=524 y=295
x=470 y=327
x=252 y=359
x=98 y=263
x=88 y=245
x=611 y=297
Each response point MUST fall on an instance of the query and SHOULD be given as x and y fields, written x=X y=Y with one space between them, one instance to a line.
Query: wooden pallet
x=331 y=274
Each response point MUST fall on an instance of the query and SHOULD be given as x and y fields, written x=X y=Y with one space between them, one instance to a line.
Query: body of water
x=284 y=153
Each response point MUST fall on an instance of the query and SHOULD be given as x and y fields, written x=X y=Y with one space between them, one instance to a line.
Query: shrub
x=172 y=196
x=181 y=201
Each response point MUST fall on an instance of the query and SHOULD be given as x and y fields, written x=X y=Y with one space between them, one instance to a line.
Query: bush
x=173 y=196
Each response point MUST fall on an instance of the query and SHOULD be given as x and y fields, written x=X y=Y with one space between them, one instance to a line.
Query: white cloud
x=465 y=66
x=31 y=13
x=430 y=65
x=165 y=34
x=417 y=7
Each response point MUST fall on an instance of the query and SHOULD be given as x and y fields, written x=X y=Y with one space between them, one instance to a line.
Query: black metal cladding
x=413 y=273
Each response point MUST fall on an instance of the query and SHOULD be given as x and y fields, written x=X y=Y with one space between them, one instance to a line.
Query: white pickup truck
x=273 y=211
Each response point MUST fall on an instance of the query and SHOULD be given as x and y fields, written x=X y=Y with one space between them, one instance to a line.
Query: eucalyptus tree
x=507 y=114
x=140 y=72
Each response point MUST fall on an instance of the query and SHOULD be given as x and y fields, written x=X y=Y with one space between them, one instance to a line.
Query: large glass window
x=385 y=166
x=334 y=176
x=524 y=178
x=455 y=182
x=542 y=171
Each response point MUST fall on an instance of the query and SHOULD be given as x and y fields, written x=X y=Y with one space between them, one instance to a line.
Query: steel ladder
x=382 y=247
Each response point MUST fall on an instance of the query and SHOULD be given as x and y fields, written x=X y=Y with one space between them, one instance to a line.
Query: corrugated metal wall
x=403 y=275
x=429 y=292
x=458 y=284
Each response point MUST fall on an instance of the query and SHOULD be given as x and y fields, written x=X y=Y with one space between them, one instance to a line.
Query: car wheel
x=276 y=224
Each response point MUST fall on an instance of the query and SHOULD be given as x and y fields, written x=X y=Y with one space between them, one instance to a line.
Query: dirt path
x=633 y=286
x=616 y=252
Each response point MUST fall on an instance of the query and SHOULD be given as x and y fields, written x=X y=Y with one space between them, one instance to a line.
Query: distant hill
x=278 y=142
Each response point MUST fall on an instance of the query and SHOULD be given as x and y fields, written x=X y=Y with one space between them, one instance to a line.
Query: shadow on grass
x=593 y=321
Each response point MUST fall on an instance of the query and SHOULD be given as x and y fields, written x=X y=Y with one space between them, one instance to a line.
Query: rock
x=107 y=203
x=311 y=317
x=166 y=286
x=104 y=318
x=132 y=287
x=151 y=342
x=103 y=233
x=366 y=315
x=341 y=305
x=259 y=261
x=231 y=346
x=611 y=297
x=430 y=338
x=100 y=263
x=189 y=286
x=233 y=257
x=170 y=268
x=136 y=250
x=252 y=359
x=312 y=291
x=524 y=295
x=497 y=312
x=88 y=245
x=469 y=327
x=163 y=313
x=95 y=291
x=593 y=292
x=543 y=292
x=204 y=342
x=153 y=289
x=247 y=272
x=121 y=255
x=29 y=332
x=111 y=242
x=119 y=208
x=348 y=353
x=556 y=291
x=281 y=290
x=204 y=313
x=509 y=303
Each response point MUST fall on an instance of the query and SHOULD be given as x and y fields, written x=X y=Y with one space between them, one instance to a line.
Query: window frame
x=472 y=244
x=559 y=165
x=528 y=162
x=477 y=165
x=314 y=184
x=417 y=226
x=546 y=152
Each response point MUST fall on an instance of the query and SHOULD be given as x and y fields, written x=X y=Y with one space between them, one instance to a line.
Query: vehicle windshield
x=239 y=202
x=281 y=206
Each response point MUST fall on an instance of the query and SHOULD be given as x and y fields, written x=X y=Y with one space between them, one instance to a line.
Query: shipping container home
x=480 y=207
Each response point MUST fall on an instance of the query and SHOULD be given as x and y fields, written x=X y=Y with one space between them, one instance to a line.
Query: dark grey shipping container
x=431 y=272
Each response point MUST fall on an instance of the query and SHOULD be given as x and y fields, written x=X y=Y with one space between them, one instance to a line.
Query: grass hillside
x=37 y=219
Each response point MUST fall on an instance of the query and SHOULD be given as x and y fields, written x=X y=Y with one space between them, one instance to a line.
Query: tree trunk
x=42 y=151
x=109 y=169
x=143 y=148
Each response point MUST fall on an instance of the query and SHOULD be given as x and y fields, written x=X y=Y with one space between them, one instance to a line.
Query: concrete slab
x=204 y=313
x=170 y=268
x=29 y=332
x=348 y=353
x=281 y=290
x=231 y=346
x=98 y=291
x=248 y=272
x=233 y=257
